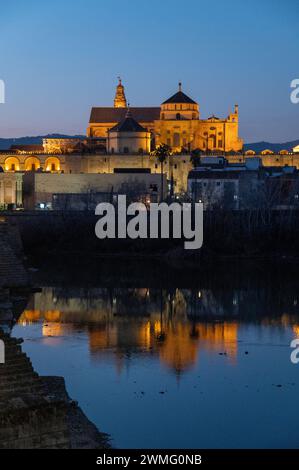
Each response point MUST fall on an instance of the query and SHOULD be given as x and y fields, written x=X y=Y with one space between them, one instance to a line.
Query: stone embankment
x=12 y=271
x=36 y=412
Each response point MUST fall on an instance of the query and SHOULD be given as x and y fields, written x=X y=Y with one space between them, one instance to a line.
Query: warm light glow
x=32 y=164
x=52 y=164
x=296 y=330
x=29 y=316
x=12 y=164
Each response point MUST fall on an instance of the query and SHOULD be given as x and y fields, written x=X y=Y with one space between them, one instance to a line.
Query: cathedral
x=176 y=122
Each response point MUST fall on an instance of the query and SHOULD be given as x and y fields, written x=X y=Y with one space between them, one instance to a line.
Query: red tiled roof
x=28 y=148
x=118 y=114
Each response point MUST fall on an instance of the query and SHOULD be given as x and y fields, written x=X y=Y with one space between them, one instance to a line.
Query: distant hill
x=259 y=146
x=5 y=144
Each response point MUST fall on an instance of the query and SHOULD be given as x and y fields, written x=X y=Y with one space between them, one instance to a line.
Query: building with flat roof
x=61 y=191
x=247 y=185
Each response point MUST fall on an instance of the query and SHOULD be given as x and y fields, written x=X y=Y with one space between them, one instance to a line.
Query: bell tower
x=120 y=97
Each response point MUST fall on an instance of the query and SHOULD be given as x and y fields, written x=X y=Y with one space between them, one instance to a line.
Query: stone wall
x=27 y=419
x=178 y=165
x=40 y=187
x=36 y=412
x=12 y=271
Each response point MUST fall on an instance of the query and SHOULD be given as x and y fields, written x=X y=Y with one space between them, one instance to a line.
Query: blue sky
x=59 y=58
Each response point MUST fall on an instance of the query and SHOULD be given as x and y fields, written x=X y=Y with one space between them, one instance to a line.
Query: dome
x=129 y=124
x=179 y=98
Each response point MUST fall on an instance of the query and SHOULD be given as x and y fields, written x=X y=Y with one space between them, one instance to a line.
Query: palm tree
x=195 y=157
x=161 y=153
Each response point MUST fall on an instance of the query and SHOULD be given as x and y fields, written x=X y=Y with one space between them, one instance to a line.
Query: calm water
x=165 y=367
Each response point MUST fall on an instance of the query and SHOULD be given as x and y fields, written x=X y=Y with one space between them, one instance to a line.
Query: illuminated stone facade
x=10 y=189
x=61 y=146
x=176 y=123
x=128 y=136
x=177 y=166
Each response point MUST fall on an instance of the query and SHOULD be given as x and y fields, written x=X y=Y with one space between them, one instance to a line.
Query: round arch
x=52 y=164
x=32 y=164
x=12 y=164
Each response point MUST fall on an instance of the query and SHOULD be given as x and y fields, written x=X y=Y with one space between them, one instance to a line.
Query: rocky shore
x=36 y=412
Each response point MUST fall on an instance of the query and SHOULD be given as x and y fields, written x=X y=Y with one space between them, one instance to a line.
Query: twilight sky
x=59 y=58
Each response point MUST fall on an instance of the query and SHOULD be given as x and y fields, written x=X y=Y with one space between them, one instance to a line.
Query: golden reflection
x=52 y=329
x=166 y=331
x=180 y=349
x=52 y=315
x=296 y=330
x=170 y=325
x=104 y=337
x=29 y=316
x=220 y=336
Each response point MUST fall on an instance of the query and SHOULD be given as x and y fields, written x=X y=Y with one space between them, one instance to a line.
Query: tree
x=195 y=157
x=134 y=190
x=161 y=153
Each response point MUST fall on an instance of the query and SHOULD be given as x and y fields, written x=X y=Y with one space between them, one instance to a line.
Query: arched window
x=178 y=116
x=212 y=141
x=176 y=139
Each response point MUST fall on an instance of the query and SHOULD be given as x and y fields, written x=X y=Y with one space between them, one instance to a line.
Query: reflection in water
x=173 y=325
x=148 y=321
x=296 y=330
x=206 y=363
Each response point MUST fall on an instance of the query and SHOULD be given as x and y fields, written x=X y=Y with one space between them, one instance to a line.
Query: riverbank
x=12 y=271
x=249 y=234
x=83 y=434
x=36 y=412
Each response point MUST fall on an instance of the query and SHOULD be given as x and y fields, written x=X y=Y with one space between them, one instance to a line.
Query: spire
x=180 y=86
x=128 y=113
x=120 y=97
